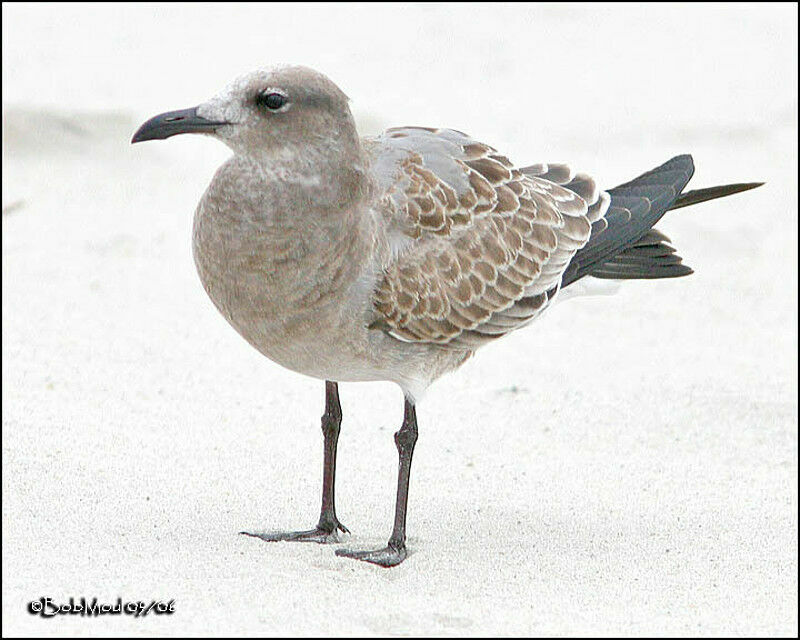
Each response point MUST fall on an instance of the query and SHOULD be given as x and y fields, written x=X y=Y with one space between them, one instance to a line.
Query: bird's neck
x=312 y=184
x=284 y=208
x=279 y=237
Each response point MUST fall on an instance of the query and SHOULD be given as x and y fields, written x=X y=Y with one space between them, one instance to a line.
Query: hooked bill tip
x=173 y=123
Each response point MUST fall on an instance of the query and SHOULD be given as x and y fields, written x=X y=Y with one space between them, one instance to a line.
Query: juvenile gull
x=395 y=257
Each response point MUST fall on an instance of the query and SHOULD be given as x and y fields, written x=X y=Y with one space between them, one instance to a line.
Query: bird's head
x=268 y=111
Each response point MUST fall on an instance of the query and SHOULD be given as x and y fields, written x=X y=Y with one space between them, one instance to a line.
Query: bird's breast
x=297 y=296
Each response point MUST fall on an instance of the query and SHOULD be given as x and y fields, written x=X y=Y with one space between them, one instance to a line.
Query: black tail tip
x=697 y=196
x=746 y=186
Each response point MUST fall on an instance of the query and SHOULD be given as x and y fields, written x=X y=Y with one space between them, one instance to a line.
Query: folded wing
x=480 y=245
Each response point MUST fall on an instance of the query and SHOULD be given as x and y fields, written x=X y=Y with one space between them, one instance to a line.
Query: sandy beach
x=640 y=480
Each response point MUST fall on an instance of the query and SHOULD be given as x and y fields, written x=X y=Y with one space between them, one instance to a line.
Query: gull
x=395 y=257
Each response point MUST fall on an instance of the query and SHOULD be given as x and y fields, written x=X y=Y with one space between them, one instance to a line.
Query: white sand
x=639 y=479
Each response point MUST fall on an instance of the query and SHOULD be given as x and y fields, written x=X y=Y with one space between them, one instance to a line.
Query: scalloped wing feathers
x=480 y=244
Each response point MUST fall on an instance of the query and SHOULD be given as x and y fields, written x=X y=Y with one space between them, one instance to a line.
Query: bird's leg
x=395 y=551
x=328 y=526
x=331 y=423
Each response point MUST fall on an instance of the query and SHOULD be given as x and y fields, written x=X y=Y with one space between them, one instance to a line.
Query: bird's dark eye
x=270 y=100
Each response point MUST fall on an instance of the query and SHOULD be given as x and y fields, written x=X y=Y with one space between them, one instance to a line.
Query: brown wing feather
x=487 y=242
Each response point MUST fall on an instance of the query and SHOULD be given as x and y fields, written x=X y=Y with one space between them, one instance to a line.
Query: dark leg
x=395 y=551
x=328 y=525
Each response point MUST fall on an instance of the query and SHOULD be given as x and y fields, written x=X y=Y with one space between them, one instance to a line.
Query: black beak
x=172 y=123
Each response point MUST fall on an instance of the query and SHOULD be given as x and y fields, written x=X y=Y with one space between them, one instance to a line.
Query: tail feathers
x=635 y=207
x=649 y=258
x=712 y=193
x=624 y=246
